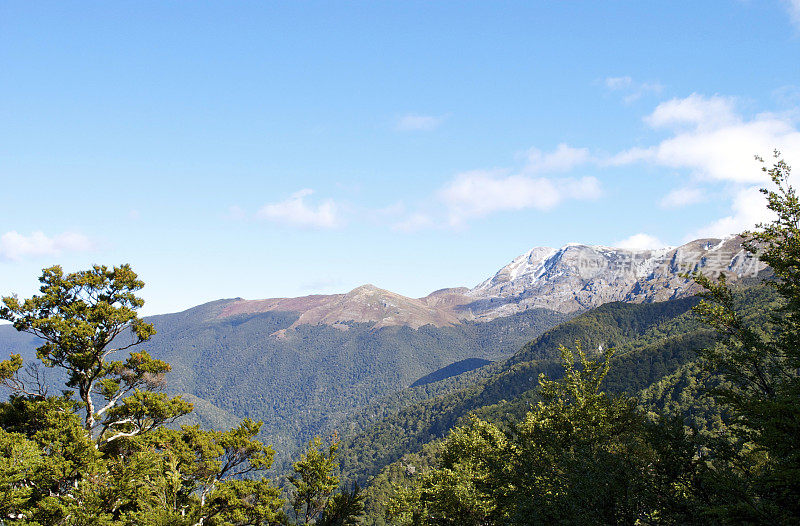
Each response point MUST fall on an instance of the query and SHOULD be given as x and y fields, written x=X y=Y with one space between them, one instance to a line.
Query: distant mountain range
x=571 y=279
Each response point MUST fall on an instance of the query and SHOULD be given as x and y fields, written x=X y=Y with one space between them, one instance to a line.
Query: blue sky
x=286 y=148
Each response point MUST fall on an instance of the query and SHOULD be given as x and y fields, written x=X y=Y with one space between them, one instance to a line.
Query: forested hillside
x=315 y=376
x=627 y=326
x=655 y=349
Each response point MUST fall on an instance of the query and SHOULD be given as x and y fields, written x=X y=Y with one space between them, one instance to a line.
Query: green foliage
x=757 y=469
x=104 y=457
x=21 y=467
x=343 y=509
x=314 y=480
x=316 y=378
x=710 y=440
x=579 y=456
x=313 y=380
x=651 y=340
x=655 y=347
x=79 y=317
x=540 y=437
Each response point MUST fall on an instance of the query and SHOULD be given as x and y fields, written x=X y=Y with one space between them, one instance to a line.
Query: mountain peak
x=370 y=304
x=366 y=288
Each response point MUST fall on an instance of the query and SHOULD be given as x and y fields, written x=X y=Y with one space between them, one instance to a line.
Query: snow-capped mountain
x=578 y=277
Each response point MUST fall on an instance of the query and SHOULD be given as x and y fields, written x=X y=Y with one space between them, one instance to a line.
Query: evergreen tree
x=343 y=509
x=580 y=456
x=314 y=480
x=757 y=471
x=98 y=453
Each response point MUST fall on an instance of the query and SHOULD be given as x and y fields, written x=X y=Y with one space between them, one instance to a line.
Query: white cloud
x=694 y=110
x=416 y=122
x=562 y=159
x=748 y=209
x=479 y=193
x=15 y=246
x=684 y=196
x=585 y=188
x=705 y=136
x=714 y=142
x=296 y=211
x=616 y=83
x=633 y=90
x=640 y=241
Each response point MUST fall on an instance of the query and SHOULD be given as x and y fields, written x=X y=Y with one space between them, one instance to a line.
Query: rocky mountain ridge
x=579 y=277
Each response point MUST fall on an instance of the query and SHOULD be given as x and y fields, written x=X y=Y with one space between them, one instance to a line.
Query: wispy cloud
x=706 y=136
x=295 y=211
x=713 y=141
x=683 y=196
x=480 y=193
x=640 y=241
x=16 y=247
x=694 y=112
x=562 y=159
x=417 y=122
x=630 y=89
